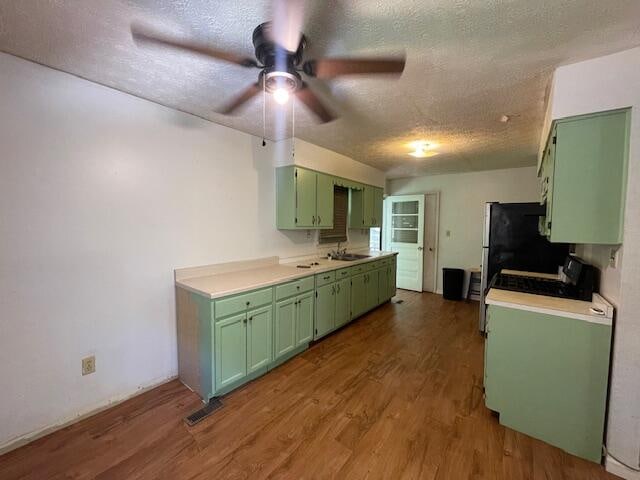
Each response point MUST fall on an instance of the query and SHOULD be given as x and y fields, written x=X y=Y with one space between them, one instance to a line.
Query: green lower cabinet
x=259 y=339
x=371 y=284
x=358 y=295
x=304 y=318
x=547 y=376
x=285 y=327
x=343 y=302
x=383 y=284
x=325 y=309
x=231 y=350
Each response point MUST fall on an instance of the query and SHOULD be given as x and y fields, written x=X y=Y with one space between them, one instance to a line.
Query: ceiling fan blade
x=335 y=67
x=286 y=27
x=144 y=35
x=241 y=99
x=314 y=104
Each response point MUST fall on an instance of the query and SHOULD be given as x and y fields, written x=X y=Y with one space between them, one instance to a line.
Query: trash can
x=452 y=280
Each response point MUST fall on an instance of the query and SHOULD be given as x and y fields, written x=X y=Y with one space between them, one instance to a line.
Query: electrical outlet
x=88 y=365
x=613 y=258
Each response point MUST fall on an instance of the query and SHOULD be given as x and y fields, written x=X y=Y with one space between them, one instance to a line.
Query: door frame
x=437 y=237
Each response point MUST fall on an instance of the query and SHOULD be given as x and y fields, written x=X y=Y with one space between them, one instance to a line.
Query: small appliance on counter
x=578 y=282
x=511 y=240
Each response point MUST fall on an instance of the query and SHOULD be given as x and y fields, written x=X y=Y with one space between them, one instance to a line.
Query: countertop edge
x=294 y=276
x=601 y=320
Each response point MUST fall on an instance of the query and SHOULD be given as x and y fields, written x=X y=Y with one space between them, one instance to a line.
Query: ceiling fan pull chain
x=264 y=113
x=293 y=127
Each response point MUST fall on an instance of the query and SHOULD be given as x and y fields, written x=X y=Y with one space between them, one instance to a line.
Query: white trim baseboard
x=65 y=422
x=615 y=467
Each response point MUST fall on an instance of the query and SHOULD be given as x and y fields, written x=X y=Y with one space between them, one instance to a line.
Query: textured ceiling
x=468 y=63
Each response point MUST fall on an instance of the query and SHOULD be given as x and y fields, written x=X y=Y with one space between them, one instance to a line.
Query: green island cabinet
x=583 y=178
x=304 y=200
x=547 y=375
x=226 y=342
x=365 y=207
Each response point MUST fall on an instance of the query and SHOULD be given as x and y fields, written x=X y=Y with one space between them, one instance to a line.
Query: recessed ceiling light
x=505 y=118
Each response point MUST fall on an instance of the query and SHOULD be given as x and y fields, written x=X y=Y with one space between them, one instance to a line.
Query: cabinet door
x=259 y=339
x=383 y=284
x=343 y=302
x=358 y=295
x=304 y=318
x=589 y=179
x=285 y=327
x=325 y=309
x=377 y=207
x=368 y=207
x=324 y=201
x=371 y=289
x=392 y=278
x=231 y=350
x=305 y=198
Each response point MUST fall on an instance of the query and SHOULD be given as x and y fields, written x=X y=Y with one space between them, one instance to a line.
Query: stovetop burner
x=534 y=285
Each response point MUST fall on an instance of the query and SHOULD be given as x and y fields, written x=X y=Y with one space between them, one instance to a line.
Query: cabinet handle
x=248 y=303
x=298 y=287
x=319 y=219
x=338 y=288
x=250 y=318
x=313 y=221
x=327 y=277
x=244 y=321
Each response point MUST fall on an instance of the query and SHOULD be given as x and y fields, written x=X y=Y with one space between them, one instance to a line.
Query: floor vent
x=398 y=301
x=196 y=417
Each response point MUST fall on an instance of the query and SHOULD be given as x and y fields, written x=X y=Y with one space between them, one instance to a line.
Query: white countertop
x=563 y=307
x=264 y=274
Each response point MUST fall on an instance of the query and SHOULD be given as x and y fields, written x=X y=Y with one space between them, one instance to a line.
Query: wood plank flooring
x=396 y=395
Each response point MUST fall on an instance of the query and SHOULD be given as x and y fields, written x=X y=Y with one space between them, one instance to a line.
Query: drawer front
x=245 y=301
x=343 y=273
x=293 y=288
x=384 y=262
x=324 y=278
x=358 y=269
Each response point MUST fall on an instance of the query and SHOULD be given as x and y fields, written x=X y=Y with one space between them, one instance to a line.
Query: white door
x=431 y=206
x=404 y=233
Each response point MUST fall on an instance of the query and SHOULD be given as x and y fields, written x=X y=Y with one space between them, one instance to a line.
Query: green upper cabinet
x=365 y=207
x=304 y=198
x=324 y=201
x=584 y=176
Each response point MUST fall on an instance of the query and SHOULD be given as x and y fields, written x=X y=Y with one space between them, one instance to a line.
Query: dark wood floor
x=395 y=395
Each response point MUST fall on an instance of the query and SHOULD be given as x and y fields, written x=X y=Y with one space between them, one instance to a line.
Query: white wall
x=462 y=199
x=600 y=84
x=102 y=195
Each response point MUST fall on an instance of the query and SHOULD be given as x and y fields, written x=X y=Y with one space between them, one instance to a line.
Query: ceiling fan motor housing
x=280 y=65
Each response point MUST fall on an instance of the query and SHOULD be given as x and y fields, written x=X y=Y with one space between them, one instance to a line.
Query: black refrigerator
x=511 y=240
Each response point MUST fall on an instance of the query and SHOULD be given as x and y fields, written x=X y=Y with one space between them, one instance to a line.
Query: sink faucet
x=338 y=253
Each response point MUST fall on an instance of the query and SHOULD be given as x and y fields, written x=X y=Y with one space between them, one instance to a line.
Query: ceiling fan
x=279 y=55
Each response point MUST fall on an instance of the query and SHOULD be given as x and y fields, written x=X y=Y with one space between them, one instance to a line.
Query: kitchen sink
x=350 y=257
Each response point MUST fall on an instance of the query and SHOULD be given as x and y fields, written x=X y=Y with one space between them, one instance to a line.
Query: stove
x=534 y=285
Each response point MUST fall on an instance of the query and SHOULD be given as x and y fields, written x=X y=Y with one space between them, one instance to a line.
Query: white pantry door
x=404 y=233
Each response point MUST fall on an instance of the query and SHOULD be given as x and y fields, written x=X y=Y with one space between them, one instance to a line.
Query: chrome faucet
x=338 y=253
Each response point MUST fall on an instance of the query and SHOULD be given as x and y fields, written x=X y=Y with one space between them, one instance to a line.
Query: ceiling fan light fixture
x=281 y=96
